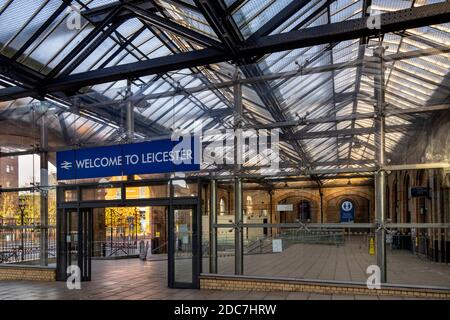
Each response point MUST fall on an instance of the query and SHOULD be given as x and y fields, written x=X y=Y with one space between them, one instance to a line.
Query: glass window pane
x=412 y=256
x=183 y=239
x=225 y=251
x=148 y=192
x=70 y=195
x=94 y=194
x=313 y=253
x=181 y=188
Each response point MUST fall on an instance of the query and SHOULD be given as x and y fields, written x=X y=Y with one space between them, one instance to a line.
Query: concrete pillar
x=212 y=230
x=380 y=179
x=44 y=189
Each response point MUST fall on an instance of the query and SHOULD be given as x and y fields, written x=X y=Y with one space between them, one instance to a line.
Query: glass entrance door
x=183 y=247
x=75 y=245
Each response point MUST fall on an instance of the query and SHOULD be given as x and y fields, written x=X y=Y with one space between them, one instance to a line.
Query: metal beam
x=215 y=13
x=180 y=3
x=390 y=112
x=235 y=6
x=417 y=166
x=340 y=162
x=99 y=14
x=166 y=64
x=301 y=225
x=392 y=21
x=18 y=73
x=174 y=27
x=137 y=69
x=314 y=186
x=348 y=132
x=347 y=30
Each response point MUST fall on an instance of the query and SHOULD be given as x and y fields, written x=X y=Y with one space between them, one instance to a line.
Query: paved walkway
x=138 y=280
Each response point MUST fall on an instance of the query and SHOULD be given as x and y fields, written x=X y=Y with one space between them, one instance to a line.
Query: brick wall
x=29 y=273
x=256 y=284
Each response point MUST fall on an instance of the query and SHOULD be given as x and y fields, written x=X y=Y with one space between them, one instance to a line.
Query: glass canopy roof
x=35 y=35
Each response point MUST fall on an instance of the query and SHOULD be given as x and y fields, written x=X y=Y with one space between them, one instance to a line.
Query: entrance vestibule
x=129 y=226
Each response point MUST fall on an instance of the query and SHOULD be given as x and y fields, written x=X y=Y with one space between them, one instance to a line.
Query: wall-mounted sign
x=277 y=245
x=162 y=156
x=420 y=192
x=347 y=211
x=285 y=207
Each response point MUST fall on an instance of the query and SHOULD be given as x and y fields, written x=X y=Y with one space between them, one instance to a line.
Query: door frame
x=171 y=201
x=196 y=247
x=84 y=221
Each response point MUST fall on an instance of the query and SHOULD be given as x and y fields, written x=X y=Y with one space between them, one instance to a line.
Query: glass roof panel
x=321 y=89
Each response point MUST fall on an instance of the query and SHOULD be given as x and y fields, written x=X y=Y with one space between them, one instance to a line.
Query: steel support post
x=212 y=229
x=238 y=231
x=130 y=113
x=271 y=192
x=44 y=188
x=380 y=179
x=130 y=119
x=239 y=157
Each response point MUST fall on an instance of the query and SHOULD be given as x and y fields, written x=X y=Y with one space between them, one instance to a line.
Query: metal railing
x=120 y=249
x=401 y=242
x=314 y=236
x=21 y=244
x=259 y=246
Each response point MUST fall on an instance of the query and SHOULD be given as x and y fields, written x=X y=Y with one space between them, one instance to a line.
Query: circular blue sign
x=347 y=206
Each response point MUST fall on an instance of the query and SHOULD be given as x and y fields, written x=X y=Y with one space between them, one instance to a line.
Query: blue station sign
x=163 y=156
x=347 y=211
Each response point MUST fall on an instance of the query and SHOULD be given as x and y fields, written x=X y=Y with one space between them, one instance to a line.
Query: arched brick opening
x=361 y=203
x=393 y=208
x=421 y=203
x=406 y=199
x=296 y=198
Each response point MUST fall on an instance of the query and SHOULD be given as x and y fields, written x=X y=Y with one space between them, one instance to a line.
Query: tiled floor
x=136 y=280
